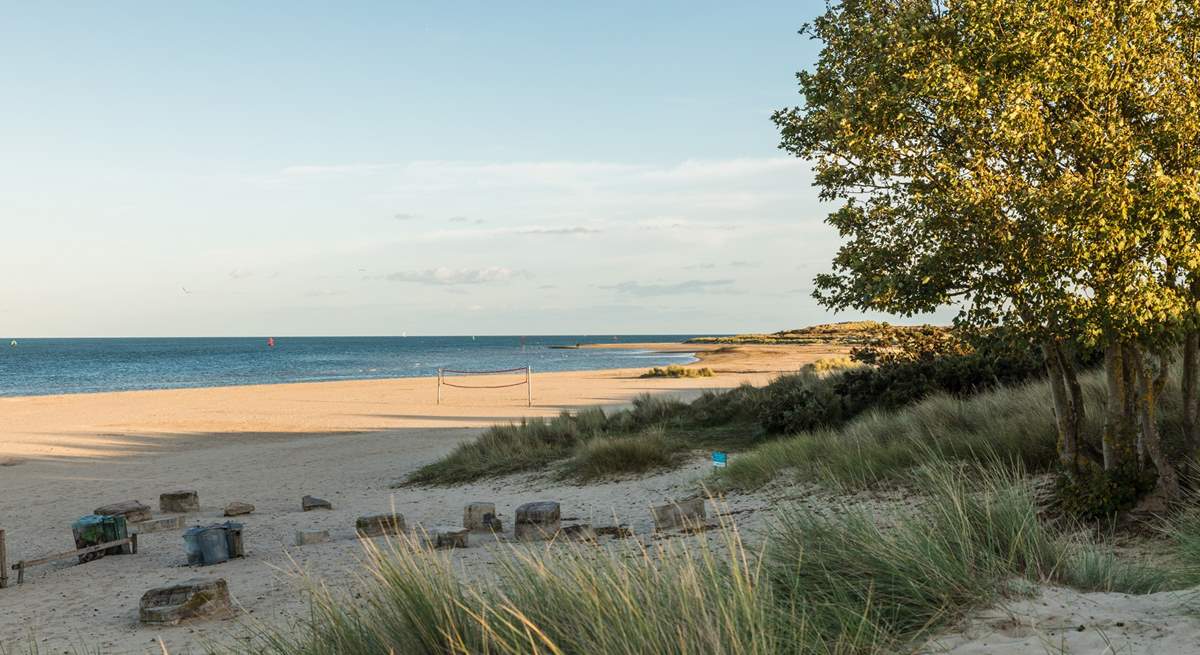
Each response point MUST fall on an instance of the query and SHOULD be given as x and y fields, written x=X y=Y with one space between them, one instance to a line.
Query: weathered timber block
x=379 y=524
x=678 y=514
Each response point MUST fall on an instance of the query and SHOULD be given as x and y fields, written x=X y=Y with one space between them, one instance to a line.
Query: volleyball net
x=446 y=374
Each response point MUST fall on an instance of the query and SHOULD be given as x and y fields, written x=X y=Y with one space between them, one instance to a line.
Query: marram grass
x=843 y=582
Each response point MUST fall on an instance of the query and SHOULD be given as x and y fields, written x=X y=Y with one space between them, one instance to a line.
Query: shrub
x=741 y=404
x=799 y=402
x=1091 y=495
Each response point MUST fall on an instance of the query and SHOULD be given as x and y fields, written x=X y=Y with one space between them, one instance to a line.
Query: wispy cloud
x=240 y=274
x=634 y=288
x=444 y=276
x=404 y=216
x=577 y=229
x=464 y=219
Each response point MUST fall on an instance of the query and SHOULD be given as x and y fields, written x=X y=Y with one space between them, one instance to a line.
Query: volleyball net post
x=528 y=381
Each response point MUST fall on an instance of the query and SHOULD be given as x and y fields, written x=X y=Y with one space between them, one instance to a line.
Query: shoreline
x=269 y=445
x=115 y=423
x=661 y=348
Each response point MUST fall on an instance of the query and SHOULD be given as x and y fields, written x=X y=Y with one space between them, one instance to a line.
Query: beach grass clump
x=1011 y=425
x=531 y=444
x=514 y=447
x=621 y=455
x=844 y=581
x=670 y=598
x=828 y=365
x=1182 y=531
x=677 y=371
x=973 y=530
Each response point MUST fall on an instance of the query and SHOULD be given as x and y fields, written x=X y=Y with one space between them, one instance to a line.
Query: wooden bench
x=20 y=566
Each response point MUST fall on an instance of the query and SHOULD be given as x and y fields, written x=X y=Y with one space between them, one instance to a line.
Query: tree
x=1035 y=166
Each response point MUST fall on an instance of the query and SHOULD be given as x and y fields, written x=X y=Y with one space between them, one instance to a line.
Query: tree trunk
x=1191 y=390
x=1068 y=453
x=1083 y=446
x=1120 y=428
x=1150 y=385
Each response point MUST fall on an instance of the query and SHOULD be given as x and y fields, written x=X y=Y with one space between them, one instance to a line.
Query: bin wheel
x=84 y=559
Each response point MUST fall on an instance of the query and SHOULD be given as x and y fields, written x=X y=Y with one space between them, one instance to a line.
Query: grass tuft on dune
x=677 y=371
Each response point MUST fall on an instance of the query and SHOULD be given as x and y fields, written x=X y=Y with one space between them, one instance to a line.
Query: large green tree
x=1034 y=165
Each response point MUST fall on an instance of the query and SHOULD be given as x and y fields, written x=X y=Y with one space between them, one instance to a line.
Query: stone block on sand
x=238 y=509
x=680 y=514
x=179 y=501
x=309 y=537
x=193 y=599
x=538 y=520
x=380 y=524
x=309 y=503
x=481 y=517
x=132 y=510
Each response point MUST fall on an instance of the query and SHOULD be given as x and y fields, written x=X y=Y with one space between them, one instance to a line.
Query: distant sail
x=12 y=344
x=270 y=342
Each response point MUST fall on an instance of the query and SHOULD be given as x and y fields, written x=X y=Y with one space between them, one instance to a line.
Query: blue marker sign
x=719 y=459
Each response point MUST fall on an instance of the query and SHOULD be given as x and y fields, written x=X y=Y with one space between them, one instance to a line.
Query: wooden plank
x=72 y=553
x=3 y=562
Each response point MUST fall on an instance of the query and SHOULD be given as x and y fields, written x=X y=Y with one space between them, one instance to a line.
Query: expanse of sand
x=348 y=442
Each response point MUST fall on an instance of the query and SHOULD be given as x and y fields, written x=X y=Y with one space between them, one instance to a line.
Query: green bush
x=799 y=402
x=742 y=404
x=1092 y=494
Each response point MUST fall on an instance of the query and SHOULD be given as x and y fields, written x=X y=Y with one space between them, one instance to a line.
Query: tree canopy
x=1036 y=165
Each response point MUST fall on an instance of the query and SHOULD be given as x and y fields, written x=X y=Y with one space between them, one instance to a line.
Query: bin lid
x=89 y=520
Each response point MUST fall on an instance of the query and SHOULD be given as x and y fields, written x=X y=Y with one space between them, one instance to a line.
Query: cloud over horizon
x=445 y=276
x=635 y=288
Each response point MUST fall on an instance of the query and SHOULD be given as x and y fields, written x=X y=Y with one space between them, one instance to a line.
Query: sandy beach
x=348 y=442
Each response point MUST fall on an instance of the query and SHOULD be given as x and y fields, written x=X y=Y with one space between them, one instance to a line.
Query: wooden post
x=3 y=562
x=529 y=386
x=439 y=386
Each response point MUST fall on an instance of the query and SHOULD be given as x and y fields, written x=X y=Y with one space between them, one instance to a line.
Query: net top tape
x=503 y=370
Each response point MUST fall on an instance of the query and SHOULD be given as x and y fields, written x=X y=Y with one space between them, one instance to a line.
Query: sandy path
x=269 y=445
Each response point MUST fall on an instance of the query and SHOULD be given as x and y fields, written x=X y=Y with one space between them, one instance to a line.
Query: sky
x=315 y=168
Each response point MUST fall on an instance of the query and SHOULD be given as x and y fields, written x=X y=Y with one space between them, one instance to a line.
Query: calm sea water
x=53 y=366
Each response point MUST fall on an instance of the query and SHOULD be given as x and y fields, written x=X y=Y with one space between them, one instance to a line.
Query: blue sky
x=431 y=168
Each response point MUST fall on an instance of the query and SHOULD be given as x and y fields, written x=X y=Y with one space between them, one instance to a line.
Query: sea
x=37 y=367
